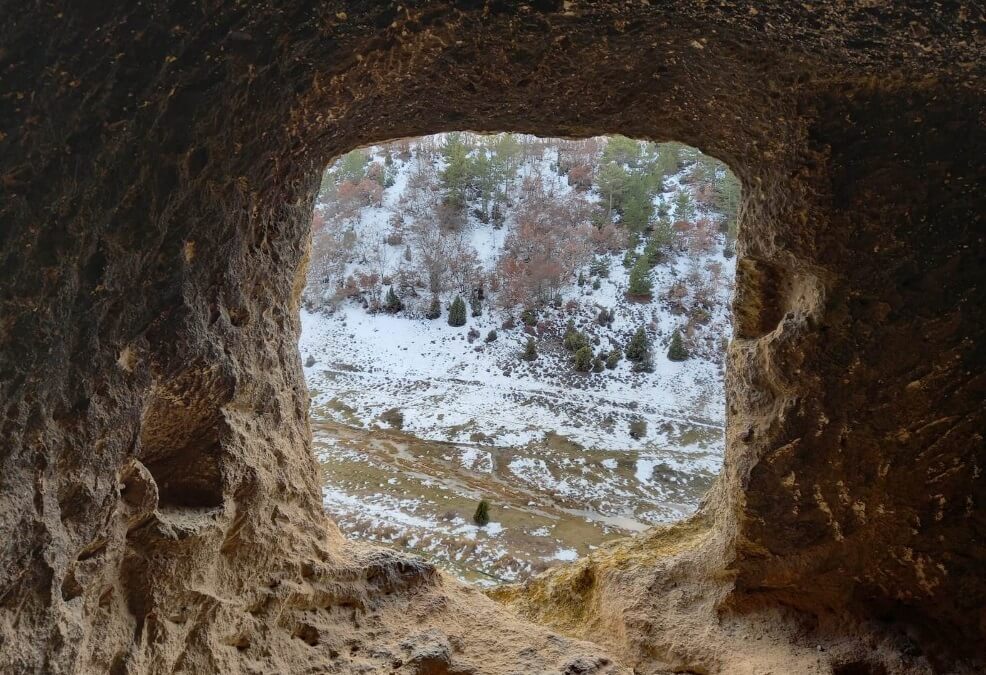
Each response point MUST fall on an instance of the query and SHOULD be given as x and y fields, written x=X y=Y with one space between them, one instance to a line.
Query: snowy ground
x=449 y=388
x=550 y=447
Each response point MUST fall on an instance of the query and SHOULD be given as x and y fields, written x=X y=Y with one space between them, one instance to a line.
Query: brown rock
x=157 y=167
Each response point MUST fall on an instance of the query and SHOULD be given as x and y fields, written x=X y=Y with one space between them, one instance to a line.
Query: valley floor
x=475 y=425
x=552 y=501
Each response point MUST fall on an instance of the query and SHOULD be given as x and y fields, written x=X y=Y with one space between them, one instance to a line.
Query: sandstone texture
x=159 y=505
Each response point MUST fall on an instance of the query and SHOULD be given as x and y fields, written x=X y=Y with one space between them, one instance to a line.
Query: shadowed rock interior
x=159 y=505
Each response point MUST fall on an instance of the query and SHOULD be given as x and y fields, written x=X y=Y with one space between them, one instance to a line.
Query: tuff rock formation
x=159 y=505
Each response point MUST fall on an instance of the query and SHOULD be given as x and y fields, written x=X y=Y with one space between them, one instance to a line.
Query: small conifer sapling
x=434 y=309
x=638 y=349
x=676 y=350
x=640 y=284
x=613 y=358
x=482 y=515
x=583 y=359
x=392 y=303
x=530 y=350
x=457 y=312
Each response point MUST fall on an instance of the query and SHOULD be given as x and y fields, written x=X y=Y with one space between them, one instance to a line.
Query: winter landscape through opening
x=515 y=345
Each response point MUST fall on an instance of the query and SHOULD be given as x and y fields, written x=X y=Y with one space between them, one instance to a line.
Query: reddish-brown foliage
x=580 y=177
x=551 y=240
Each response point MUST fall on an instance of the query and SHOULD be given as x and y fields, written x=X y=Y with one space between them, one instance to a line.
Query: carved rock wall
x=159 y=506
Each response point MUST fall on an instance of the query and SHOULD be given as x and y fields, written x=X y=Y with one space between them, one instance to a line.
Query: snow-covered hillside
x=468 y=386
x=450 y=387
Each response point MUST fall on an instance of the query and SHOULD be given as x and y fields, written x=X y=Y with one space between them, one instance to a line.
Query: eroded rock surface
x=159 y=506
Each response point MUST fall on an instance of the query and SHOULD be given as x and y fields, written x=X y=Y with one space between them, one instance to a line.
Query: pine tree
x=583 y=359
x=455 y=177
x=506 y=151
x=628 y=258
x=434 y=309
x=663 y=210
x=581 y=281
x=486 y=176
x=529 y=317
x=640 y=283
x=677 y=351
x=638 y=349
x=598 y=365
x=457 y=312
x=476 y=305
x=491 y=336
x=652 y=252
x=613 y=358
x=352 y=167
x=611 y=181
x=482 y=515
x=684 y=207
x=392 y=303
x=637 y=206
x=669 y=159
x=599 y=267
x=530 y=350
x=596 y=284
x=574 y=340
x=622 y=150
x=663 y=234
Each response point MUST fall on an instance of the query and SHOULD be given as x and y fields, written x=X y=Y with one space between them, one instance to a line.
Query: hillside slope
x=634 y=444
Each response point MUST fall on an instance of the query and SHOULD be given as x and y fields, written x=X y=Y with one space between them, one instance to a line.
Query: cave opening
x=159 y=165
x=515 y=345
